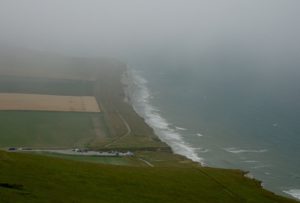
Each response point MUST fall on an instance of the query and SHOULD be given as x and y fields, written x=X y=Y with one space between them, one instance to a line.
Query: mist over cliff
x=121 y=28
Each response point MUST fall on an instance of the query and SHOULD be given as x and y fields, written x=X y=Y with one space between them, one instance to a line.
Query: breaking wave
x=293 y=192
x=237 y=151
x=199 y=134
x=251 y=161
x=180 y=128
x=139 y=96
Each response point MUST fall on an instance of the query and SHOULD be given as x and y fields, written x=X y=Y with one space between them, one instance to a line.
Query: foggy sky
x=95 y=27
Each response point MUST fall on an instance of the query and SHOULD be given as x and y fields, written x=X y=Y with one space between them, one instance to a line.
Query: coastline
x=155 y=173
x=128 y=79
x=136 y=95
x=121 y=116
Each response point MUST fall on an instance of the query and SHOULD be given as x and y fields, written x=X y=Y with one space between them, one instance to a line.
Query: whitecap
x=199 y=134
x=251 y=161
x=293 y=192
x=261 y=166
x=237 y=151
x=180 y=128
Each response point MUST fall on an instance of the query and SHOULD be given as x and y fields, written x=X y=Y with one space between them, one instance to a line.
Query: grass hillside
x=34 y=178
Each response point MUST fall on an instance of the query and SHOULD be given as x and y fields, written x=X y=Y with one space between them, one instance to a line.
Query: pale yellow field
x=38 y=102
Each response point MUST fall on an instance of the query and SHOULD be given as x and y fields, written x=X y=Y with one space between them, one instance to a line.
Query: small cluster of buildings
x=101 y=153
x=76 y=151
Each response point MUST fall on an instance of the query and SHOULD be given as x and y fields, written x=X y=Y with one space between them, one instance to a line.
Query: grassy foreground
x=34 y=178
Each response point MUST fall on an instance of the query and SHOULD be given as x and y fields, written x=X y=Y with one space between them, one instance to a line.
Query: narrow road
x=146 y=162
x=125 y=134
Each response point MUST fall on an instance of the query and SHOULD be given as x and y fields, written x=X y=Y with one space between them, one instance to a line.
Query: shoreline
x=134 y=84
x=247 y=174
x=155 y=166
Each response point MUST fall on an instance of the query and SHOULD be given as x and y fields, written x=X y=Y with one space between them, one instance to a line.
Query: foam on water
x=237 y=151
x=199 y=134
x=293 y=192
x=261 y=166
x=180 y=128
x=251 y=161
x=140 y=98
x=201 y=150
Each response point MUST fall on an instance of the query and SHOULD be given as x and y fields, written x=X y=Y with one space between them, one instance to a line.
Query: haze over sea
x=218 y=80
x=225 y=108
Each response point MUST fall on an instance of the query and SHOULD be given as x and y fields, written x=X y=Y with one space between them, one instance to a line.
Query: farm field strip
x=39 y=102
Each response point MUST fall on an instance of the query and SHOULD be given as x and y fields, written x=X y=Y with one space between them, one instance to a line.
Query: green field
x=49 y=129
x=123 y=161
x=46 y=86
x=47 y=75
x=35 y=178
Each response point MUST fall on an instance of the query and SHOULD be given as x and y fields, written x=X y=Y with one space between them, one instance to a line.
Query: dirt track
x=38 y=102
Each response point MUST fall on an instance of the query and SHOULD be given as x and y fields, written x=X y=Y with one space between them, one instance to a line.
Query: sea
x=225 y=111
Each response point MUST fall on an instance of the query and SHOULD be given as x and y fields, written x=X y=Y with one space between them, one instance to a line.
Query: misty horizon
x=214 y=81
x=118 y=28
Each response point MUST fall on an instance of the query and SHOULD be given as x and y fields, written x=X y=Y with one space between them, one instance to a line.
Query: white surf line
x=146 y=162
x=163 y=129
x=293 y=192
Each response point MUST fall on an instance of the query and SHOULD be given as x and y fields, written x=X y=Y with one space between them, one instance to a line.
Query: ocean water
x=231 y=114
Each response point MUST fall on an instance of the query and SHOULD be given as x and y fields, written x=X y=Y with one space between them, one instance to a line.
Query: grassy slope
x=45 y=179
